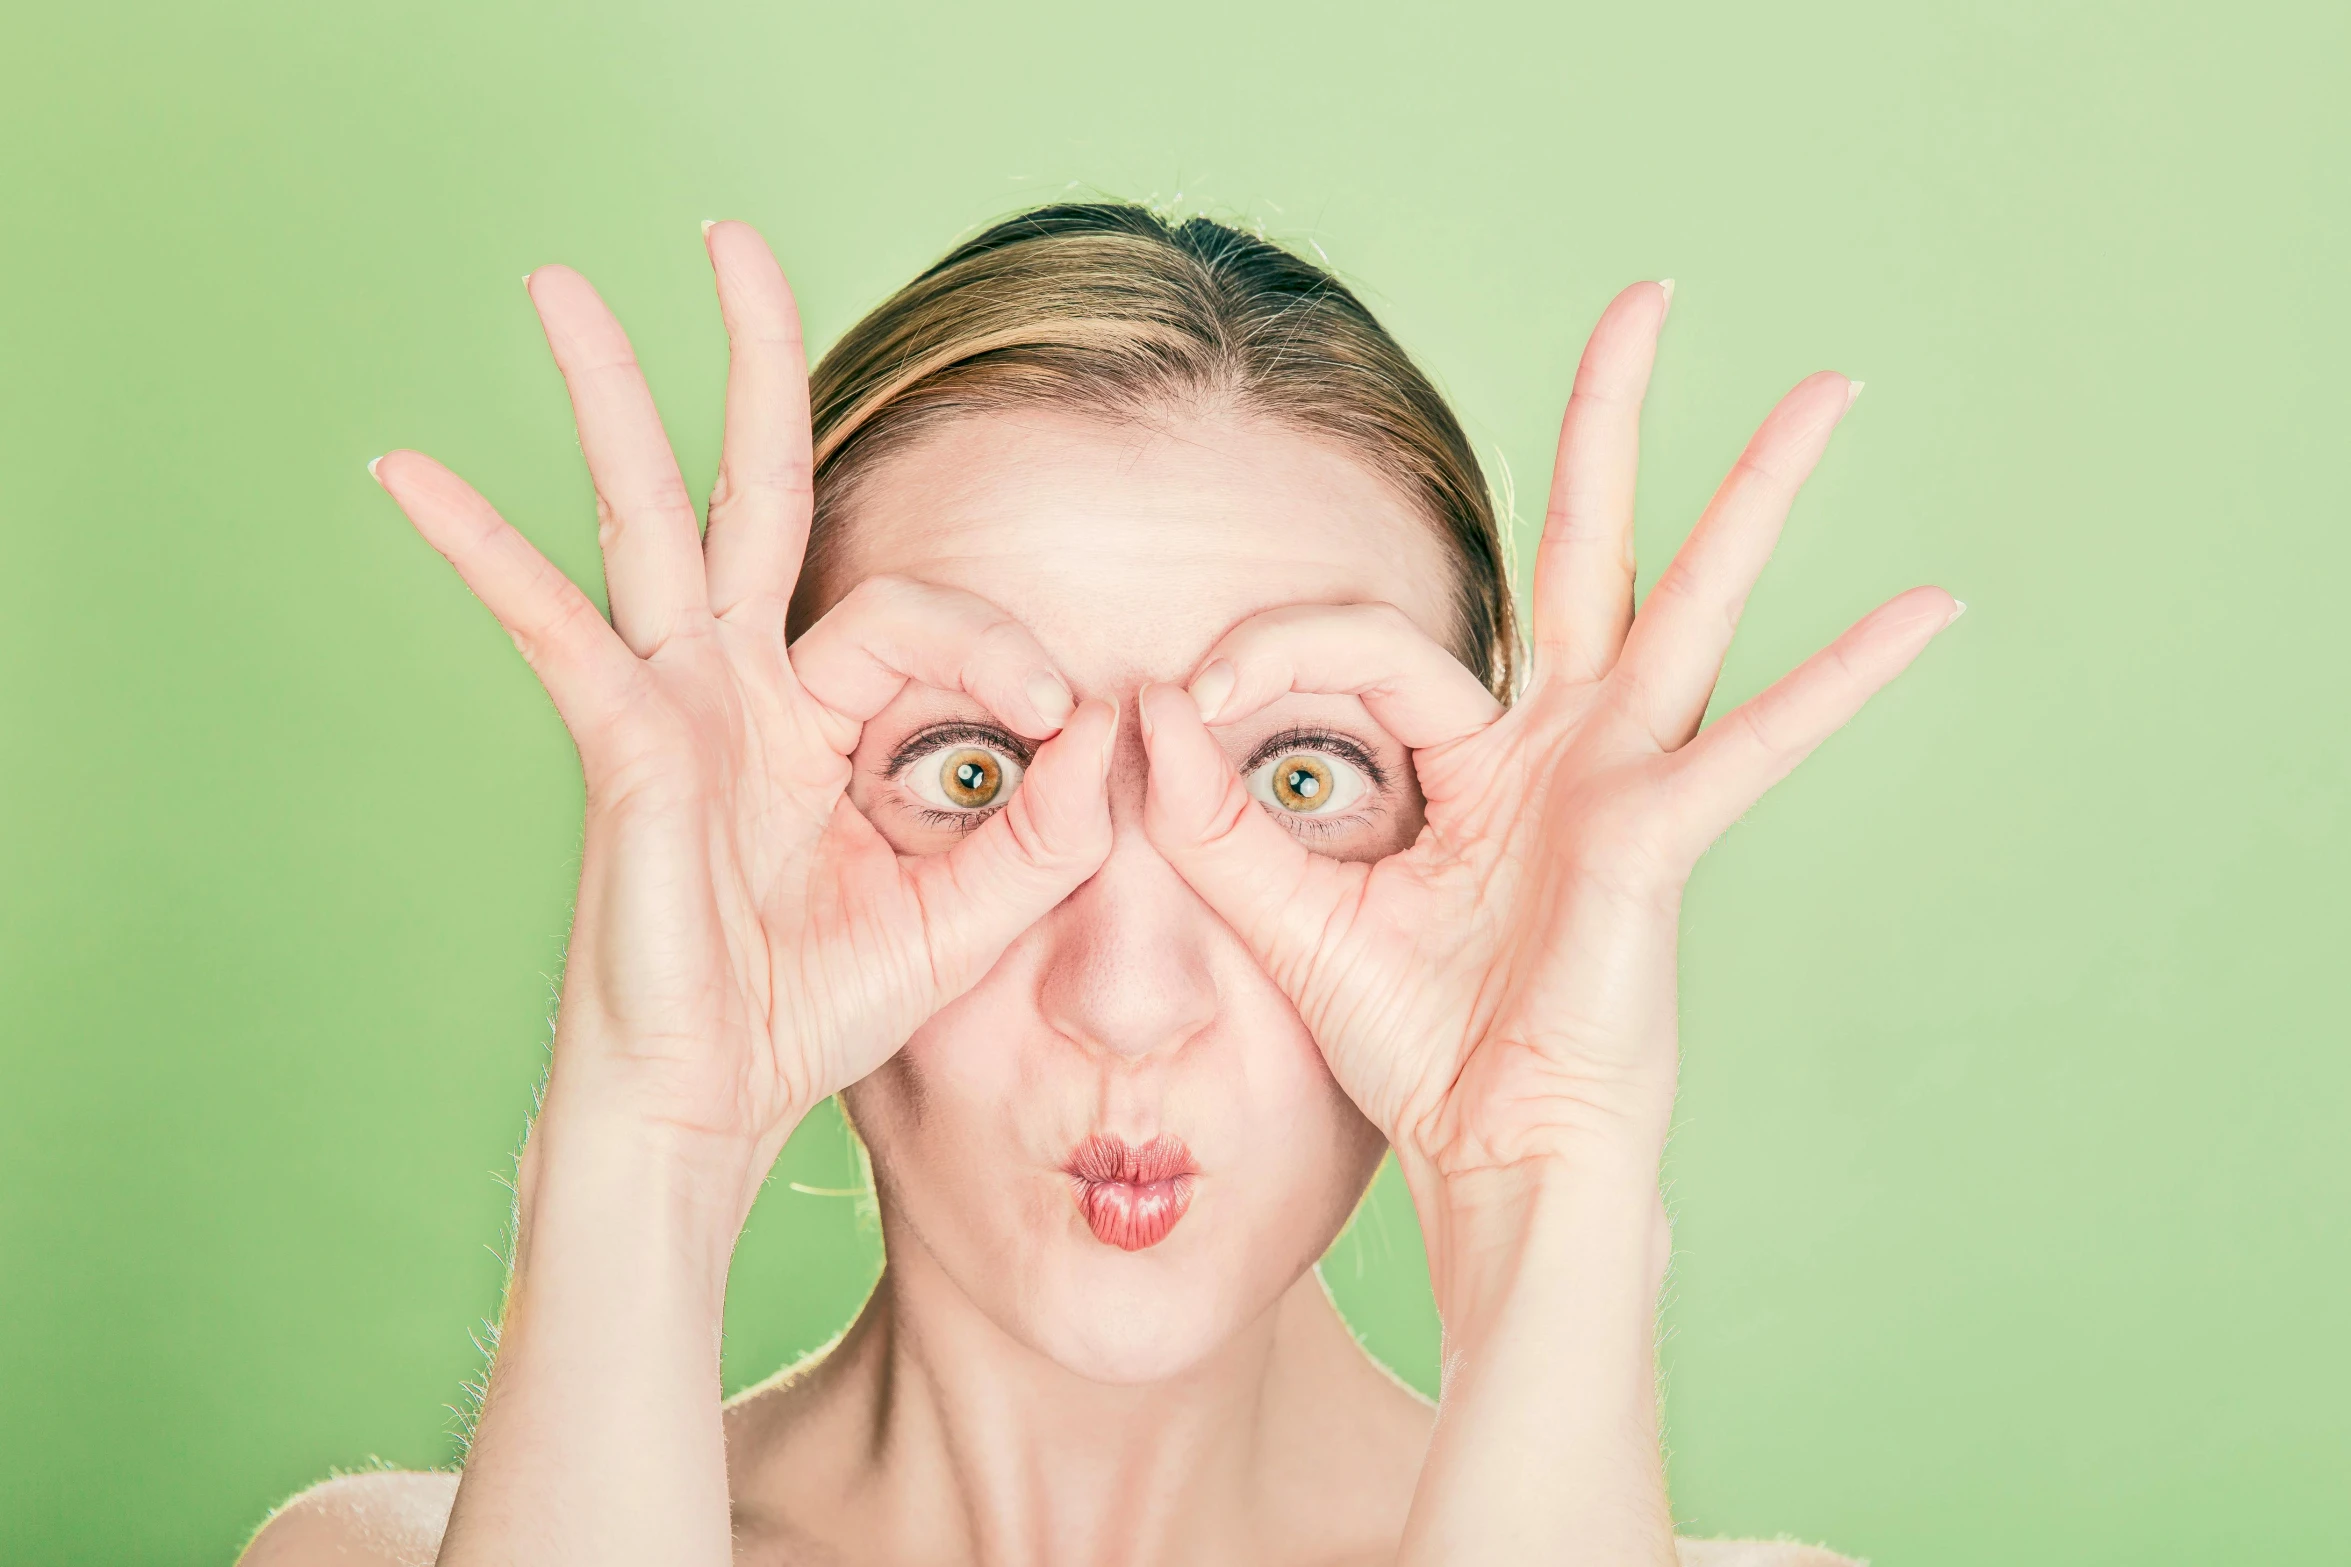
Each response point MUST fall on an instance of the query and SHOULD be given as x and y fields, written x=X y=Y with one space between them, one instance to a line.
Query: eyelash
x=924 y=742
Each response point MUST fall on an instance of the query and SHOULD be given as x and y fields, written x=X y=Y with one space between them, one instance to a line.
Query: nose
x=1125 y=970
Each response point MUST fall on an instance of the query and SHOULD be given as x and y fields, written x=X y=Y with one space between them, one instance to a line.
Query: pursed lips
x=1132 y=1195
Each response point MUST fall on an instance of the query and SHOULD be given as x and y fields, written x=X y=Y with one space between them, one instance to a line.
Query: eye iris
x=971 y=778
x=1301 y=783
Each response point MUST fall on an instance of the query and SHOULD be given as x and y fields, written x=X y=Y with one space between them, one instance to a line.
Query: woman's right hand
x=745 y=942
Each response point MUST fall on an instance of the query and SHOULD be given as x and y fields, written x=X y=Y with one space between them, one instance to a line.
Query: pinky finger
x=1731 y=765
x=584 y=665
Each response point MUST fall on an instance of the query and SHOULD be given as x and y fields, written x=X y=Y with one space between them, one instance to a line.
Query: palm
x=1508 y=979
x=745 y=941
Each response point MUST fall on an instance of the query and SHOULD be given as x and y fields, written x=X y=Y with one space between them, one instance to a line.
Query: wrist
x=592 y=1176
x=1587 y=1215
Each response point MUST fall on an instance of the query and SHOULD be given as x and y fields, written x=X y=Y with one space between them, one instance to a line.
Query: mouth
x=1132 y=1196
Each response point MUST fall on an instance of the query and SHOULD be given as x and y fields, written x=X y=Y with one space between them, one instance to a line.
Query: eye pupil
x=971 y=778
x=1301 y=783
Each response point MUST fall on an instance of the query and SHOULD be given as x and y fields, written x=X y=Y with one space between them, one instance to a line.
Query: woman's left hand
x=1503 y=991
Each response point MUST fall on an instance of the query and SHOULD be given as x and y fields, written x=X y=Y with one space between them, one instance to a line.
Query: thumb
x=1048 y=839
x=1280 y=900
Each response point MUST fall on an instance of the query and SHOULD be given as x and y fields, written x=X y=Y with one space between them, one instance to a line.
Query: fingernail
x=1853 y=392
x=1958 y=608
x=1213 y=687
x=1110 y=741
x=526 y=282
x=1666 y=283
x=371 y=467
x=707 y=225
x=1143 y=713
x=1050 y=698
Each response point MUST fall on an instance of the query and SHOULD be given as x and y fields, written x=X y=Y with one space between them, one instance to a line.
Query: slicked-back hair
x=1114 y=311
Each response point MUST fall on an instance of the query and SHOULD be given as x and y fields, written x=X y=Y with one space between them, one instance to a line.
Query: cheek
x=1303 y=1150
x=939 y=1106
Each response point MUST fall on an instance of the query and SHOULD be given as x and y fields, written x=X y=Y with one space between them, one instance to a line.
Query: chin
x=1130 y=1342
x=1128 y=1317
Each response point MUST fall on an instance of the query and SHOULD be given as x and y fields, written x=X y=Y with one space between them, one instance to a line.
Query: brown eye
x=1301 y=783
x=970 y=777
x=1308 y=784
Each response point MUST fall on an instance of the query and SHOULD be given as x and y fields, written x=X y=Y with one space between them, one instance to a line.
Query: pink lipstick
x=1132 y=1196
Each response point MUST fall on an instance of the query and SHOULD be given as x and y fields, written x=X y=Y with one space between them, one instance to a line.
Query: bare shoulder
x=388 y=1518
x=1759 y=1553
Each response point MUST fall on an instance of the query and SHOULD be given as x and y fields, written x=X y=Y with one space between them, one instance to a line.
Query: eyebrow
x=1300 y=737
x=931 y=736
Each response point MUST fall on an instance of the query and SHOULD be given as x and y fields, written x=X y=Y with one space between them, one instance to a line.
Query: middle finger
x=645 y=519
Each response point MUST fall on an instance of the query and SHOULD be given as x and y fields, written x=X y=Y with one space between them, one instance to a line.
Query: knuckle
x=1758 y=723
x=1031 y=838
x=1002 y=640
x=1675 y=586
x=878 y=597
x=669 y=496
x=1763 y=463
x=885 y=587
x=786 y=481
x=1596 y=390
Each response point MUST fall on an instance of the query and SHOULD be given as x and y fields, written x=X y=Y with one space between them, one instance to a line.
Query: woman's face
x=1127 y=1063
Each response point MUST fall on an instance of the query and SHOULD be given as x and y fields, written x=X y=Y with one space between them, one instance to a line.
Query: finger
x=1278 y=898
x=1583 y=597
x=1410 y=684
x=1048 y=839
x=1678 y=640
x=585 y=668
x=645 y=519
x=889 y=630
x=760 y=506
x=1735 y=760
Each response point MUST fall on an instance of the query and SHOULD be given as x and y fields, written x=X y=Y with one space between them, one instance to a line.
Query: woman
x=1088 y=753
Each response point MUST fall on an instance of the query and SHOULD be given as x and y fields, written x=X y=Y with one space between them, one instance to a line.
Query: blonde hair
x=1113 y=310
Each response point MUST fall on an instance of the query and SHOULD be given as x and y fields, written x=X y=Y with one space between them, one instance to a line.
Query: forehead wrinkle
x=1126 y=575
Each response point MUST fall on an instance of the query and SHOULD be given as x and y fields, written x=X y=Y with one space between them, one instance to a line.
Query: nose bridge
x=1126 y=972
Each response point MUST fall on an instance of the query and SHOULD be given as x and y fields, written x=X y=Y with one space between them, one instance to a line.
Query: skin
x=1471 y=962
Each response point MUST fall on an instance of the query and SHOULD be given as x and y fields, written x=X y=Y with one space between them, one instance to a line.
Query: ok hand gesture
x=1502 y=992
x=746 y=942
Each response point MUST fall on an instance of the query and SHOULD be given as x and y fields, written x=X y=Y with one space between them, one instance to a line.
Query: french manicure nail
x=1958 y=608
x=371 y=467
x=1213 y=688
x=707 y=225
x=1143 y=714
x=1666 y=283
x=1050 y=698
x=1853 y=392
x=1110 y=740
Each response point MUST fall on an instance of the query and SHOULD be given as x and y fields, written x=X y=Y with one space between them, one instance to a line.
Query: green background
x=2009 y=1178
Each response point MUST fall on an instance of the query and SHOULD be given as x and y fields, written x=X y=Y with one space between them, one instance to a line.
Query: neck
x=930 y=1434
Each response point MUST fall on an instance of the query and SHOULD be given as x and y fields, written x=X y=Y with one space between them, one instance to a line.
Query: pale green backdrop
x=2010 y=1176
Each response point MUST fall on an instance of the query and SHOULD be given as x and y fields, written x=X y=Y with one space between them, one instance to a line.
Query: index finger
x=1410 y=684
x=652 y=544
x=891 y=630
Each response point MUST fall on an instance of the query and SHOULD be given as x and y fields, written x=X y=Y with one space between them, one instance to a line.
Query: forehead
x=1129 y=549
